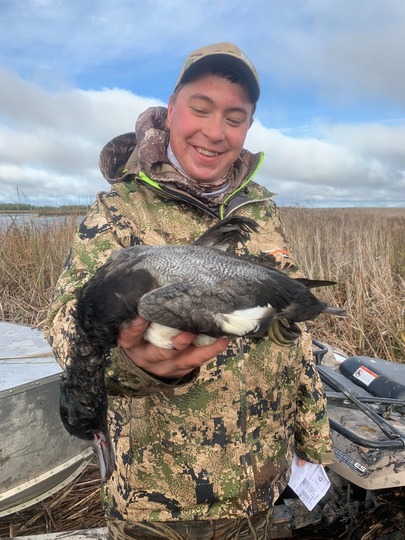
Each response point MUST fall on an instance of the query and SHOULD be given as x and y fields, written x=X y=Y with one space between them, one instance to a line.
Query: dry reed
x=76 y=507
x=363 y=250
x=32 y=255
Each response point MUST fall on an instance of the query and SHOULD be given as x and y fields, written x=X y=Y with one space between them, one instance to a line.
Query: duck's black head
x=83 y=404
x=83 y=409
x=108 y=300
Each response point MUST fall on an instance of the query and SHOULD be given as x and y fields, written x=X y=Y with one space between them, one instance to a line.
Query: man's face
x=208 y=122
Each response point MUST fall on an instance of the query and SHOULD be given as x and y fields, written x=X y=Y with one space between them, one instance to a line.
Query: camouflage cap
x=223 y=55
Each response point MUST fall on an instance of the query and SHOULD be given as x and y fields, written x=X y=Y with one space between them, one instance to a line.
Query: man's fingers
x=131 y=335
x=171 y=363
x=194 y=357
x=183 y=340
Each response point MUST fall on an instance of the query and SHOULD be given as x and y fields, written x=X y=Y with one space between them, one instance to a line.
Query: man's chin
x=206 y=177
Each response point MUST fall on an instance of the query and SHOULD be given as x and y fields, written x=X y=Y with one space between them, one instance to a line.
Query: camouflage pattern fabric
x=218 y=444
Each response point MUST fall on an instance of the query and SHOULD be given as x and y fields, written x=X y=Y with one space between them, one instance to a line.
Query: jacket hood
x=115 y=163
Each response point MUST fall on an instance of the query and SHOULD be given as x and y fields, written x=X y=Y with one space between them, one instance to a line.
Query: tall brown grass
x=32 y=256
x=363 y=250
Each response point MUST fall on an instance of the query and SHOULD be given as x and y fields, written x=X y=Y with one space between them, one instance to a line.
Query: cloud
x=347 y=167
x=339 y=48
x=50 y=141
x=59 y=40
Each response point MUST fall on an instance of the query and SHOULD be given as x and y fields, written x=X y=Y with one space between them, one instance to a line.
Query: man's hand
x=168 y=363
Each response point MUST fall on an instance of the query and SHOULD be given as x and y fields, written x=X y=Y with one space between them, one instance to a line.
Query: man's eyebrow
x=211 y=102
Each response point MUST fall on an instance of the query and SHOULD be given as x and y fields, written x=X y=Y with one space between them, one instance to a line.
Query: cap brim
x=227 y=61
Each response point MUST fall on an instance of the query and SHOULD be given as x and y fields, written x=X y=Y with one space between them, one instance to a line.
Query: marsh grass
x=32 y=255
x=74 y=508
x=363 y=250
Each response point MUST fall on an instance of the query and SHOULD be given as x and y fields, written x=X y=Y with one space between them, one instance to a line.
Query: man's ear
x=169 y=112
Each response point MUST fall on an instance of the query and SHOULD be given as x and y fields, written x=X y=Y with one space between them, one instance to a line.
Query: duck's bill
x=105 y=454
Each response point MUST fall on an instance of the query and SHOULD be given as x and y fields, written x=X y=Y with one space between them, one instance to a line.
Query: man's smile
x=206 y=152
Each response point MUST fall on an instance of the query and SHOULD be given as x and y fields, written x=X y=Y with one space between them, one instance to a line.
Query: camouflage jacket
x=218 y=444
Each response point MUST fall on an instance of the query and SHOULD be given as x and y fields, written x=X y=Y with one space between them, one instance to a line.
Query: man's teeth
x=206 y=152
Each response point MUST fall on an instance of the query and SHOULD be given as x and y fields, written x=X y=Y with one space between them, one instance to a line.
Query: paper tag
x=365 y=375
x=309 y=481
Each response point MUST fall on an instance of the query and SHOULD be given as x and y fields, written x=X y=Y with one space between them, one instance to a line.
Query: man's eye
x=234 y=121
x=198 y=111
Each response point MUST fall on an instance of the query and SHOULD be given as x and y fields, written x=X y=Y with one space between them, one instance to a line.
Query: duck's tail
x=226 y=234
x=332 y=310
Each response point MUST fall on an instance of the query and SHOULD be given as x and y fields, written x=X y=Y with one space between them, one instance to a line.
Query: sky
x=331 y=117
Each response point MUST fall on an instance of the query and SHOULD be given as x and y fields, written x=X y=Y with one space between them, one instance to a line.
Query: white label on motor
x=365 y=375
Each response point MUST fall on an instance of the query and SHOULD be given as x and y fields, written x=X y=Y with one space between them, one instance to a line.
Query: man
x=204 y=436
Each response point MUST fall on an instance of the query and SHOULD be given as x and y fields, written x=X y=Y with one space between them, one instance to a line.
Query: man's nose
x=214 y=128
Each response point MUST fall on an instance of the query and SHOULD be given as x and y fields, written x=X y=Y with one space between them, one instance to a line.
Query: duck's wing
x=202 y=309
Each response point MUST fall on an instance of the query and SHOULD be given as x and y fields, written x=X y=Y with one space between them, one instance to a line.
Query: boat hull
x=37 y=455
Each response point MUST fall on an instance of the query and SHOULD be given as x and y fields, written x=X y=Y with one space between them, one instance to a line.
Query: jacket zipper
x=222 y=210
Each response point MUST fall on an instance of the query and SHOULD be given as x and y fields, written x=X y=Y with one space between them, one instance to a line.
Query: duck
x=204 y=287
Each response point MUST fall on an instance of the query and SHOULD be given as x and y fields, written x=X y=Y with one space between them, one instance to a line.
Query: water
x=32 y=218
